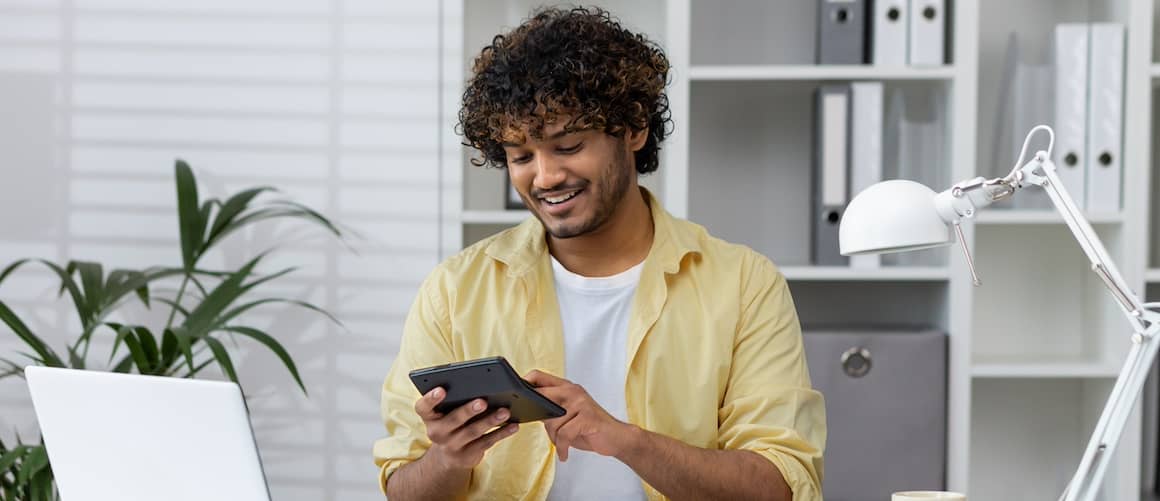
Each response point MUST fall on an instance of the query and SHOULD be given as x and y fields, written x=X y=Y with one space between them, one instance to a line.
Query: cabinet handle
x=856 y=362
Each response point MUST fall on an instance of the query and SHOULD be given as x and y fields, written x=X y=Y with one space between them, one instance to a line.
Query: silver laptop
x=128 y=437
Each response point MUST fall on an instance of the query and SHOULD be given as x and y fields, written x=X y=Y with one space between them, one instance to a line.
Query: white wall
x=333 y=101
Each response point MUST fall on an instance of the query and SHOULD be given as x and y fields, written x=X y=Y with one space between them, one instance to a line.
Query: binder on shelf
x=841 y=31
x=888 y=32
x=830 y=171
x=1105 y=118
x=927 y=32
x=865 y=148
x=1071 y=108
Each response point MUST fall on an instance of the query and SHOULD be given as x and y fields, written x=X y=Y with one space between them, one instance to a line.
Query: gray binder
x=831 y=169
x=885 y=394
x=841 y=31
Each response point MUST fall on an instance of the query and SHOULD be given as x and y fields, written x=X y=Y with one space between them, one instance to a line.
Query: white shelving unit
x=1035 y=350
x=1050 y=369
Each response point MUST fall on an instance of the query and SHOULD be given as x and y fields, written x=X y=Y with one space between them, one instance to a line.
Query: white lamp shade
x=892 y=216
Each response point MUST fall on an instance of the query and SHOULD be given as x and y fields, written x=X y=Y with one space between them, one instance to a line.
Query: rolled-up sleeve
x=425 y=342
x=769 y=406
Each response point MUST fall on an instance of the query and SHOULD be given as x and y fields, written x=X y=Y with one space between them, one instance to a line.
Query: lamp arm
x=964 y=199
x=1040 y=171
x=1097 y=455
x=1089 y=475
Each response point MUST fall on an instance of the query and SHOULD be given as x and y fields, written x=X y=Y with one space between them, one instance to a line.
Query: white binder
x=927 y=32
x=1071 y=86
x=866 y=148
x=1105 y=118
x=888 y=32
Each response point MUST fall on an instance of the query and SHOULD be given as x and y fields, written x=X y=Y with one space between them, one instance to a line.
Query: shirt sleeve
x=769 y=407
x=425 y=342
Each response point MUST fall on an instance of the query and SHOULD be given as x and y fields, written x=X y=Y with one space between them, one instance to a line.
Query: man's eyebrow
x=559 y=134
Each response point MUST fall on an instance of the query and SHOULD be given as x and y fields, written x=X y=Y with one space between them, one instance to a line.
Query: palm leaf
x=193 y=371
x=281 y=209
x=274 y=346
x=124 y=365
x=188 y=216
x=169 y=347
x=10 y=457
x=34 y=460
x=223 y=358
x=184 y=343
x=232 y=207
x=13 y=369
x=92 y=283
x=135 y=349
x=199 y=320
x=172 y=304
x=304 y=212
x=75 y=359
x=230 y=315
x=67 y=284
x=46 y=355
x=121 y=282
x=149 y=348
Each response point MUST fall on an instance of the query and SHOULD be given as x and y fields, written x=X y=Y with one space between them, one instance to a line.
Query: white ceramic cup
x=928 y=496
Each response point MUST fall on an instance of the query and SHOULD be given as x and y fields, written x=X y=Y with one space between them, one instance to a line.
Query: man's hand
x=456 y=443
x=586 y=426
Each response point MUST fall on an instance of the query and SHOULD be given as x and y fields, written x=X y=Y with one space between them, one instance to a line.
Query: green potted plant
x=206 y=309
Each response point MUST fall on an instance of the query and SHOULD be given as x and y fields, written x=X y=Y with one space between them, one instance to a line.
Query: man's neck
x=621 y=243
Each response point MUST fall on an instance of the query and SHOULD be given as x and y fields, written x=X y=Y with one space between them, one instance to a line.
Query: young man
x=677 y=356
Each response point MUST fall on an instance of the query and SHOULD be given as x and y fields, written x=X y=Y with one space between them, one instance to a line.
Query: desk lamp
x=901 y=215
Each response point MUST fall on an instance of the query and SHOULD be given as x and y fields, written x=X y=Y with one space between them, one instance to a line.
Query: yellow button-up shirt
x=715 y=355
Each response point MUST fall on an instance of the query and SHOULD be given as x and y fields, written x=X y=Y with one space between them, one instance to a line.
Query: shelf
x=1045 y=370
x=816 y=72
x=884 y=274
x=494 y=216
x=1039 y=217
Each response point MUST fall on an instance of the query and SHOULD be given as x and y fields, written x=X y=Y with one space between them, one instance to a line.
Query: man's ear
x=635 y=138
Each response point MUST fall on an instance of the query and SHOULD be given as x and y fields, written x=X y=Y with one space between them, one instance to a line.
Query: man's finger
x=540 y=378
x=458 y=417
x=552 y=426
x=487 y=441
x=565 y=436
x=478 y=428
x=561 y=395
x=425 y=406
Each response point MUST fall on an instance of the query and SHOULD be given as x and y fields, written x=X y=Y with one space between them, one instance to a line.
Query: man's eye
x=570 y=149
x=521 y=160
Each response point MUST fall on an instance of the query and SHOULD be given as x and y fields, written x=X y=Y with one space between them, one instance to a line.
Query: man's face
x=572 y=181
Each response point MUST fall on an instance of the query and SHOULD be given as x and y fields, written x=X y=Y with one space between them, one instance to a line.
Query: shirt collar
x=526 y=245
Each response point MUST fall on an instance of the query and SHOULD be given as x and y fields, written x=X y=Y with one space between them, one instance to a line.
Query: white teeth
x=560 y=199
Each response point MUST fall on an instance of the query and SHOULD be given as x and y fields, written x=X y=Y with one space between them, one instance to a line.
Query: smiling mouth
x=562 y=198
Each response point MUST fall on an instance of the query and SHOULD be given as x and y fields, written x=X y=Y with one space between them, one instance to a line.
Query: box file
x=889 y=28
x=1105 y=118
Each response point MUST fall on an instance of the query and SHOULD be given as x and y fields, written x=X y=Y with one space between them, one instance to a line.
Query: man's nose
x=549 y=173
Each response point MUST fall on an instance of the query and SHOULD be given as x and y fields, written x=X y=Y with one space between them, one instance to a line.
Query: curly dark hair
x=577 y=62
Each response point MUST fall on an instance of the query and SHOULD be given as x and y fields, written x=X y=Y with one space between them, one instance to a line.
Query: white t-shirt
x=595 y=313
